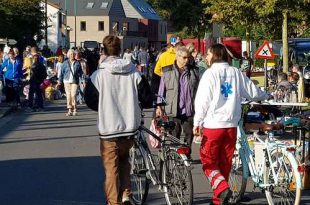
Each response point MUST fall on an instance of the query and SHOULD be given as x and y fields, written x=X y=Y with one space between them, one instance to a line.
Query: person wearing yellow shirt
x=165 y=59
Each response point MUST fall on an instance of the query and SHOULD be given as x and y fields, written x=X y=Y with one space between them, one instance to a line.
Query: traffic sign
x=264 y=51
x=173 y=40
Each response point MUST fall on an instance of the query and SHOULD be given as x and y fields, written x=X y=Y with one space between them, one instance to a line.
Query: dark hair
x=219 y=53
x=111 y=45
x=11 y=52
x=282 y=76
x=35 y=58
x=179 y=44
x=60 y=58
x=294 y=76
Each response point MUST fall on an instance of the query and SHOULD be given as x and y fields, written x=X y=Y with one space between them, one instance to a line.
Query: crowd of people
x=203 y=95
x=203 y=103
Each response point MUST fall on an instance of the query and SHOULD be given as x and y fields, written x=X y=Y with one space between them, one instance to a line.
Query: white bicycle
x=277 y=173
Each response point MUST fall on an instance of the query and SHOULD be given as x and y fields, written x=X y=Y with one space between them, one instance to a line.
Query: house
x=134 y=21
x=56 y=32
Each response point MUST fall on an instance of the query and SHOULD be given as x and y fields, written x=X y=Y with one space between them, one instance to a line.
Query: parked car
x=90 y=45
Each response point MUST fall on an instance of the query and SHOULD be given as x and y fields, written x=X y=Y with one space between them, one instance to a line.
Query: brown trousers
x=115 y=160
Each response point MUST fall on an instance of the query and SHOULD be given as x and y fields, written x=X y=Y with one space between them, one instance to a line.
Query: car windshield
x=90 y=44
x=300 y=54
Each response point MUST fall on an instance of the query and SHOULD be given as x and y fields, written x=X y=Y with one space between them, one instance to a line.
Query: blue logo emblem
x=226 y=89
x=173 y=40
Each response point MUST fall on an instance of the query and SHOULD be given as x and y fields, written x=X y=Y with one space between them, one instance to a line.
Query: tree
x=237 y=15
x=185 y=15
x=292 y=13
x=21 y=20
x=261 y=19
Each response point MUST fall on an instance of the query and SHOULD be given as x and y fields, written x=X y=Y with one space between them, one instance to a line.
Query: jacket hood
x=117 y=65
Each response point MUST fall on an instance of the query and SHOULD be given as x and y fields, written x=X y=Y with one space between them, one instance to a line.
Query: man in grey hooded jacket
x=116 y=90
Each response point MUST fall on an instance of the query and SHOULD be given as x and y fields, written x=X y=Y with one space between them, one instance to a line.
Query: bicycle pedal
x=142 y=171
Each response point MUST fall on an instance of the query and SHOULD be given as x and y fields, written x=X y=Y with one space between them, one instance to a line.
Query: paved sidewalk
x=5 y=109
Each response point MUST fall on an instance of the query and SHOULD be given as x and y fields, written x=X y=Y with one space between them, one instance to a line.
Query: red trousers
x=216 y=153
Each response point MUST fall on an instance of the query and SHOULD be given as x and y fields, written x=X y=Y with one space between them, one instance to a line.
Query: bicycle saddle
x=167 y=125
x=271 y=127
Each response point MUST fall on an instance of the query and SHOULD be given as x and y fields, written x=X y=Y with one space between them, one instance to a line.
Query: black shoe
x=225 y=196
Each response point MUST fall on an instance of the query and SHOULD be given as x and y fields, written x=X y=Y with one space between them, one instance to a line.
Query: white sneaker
x=127 y=201
x=197 y=140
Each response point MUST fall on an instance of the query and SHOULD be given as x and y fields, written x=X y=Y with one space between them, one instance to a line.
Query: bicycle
x=172 y=173
x=277 y=174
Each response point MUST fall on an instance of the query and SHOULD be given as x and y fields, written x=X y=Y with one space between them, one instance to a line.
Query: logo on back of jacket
x=226 y=89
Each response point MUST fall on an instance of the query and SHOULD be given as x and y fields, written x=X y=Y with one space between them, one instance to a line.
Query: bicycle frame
x=247 y=156
x=167 y=142
x=170 y=141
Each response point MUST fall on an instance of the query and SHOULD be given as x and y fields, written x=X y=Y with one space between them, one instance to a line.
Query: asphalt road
x=47 y=158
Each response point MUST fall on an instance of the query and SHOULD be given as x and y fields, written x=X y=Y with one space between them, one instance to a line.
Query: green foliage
x=262 y=19
x=20 y=20
x=188 y=16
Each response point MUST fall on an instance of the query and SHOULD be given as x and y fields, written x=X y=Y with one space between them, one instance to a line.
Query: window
x=161 y=29
x=152 y=10
x=101 y=26
x=90 y=5
x=104 y=5
x=143 y=10
x=83 y=26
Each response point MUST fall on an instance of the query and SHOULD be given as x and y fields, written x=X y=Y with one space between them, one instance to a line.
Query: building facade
x=134 y=21
x=56 y=32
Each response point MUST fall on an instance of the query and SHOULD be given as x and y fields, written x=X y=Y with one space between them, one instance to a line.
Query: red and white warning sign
x=264 y=51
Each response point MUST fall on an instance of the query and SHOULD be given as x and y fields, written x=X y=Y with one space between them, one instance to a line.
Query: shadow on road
x=52 y=181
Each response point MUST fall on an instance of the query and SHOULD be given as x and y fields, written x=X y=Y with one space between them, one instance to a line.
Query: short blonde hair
x=182 y=51
x=69 y=52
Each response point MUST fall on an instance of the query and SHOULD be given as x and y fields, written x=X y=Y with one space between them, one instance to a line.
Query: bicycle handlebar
x=162 y=103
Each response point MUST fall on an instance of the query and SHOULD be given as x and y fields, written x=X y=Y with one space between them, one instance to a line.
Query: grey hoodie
x=117 y=82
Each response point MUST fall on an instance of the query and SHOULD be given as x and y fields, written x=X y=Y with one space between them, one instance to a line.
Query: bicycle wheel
x=139 y=181
x=286 y=191
x=177 y=180
x=238 y=178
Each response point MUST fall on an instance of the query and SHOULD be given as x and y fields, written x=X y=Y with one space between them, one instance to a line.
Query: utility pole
x=74 y=23
x=45 y=22
x=67 y=44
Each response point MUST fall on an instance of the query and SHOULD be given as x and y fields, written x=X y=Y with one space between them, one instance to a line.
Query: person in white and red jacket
x=217 y=113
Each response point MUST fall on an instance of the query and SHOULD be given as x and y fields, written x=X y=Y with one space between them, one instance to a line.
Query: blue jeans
x=34 y=88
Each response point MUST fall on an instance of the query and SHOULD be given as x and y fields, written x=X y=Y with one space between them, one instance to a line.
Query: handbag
x=152 y=140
